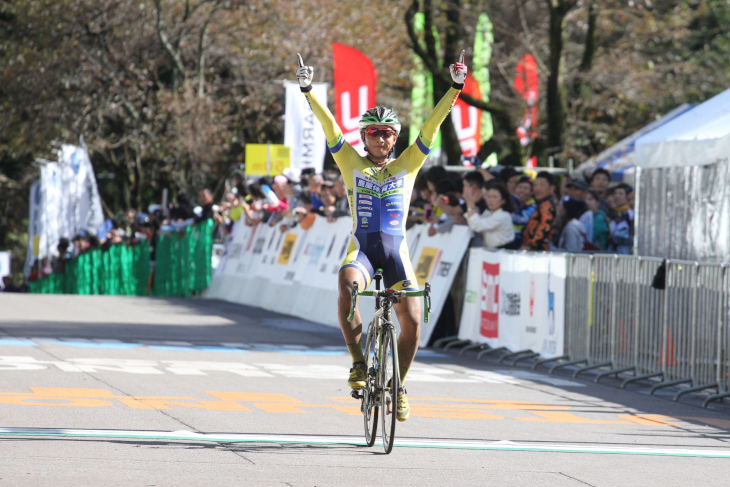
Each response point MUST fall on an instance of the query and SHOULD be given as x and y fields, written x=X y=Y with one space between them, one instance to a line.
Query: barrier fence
x=650 y=319
x=638 y=318
x=121 y=270
x=182 y=268
x=183 y=261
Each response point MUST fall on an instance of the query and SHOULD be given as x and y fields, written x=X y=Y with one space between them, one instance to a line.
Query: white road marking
x=417 y=373
x=503 y=445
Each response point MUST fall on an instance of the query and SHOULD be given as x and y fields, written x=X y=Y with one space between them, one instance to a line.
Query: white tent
x=621 y=156
x=699 y=137
x=683 y=204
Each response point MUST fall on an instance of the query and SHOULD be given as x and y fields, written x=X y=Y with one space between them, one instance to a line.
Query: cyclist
x=379 y=192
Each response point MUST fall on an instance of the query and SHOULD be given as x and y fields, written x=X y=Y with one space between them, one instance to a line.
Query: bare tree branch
x=430 y=62
x=162 y=33
x=201 y=49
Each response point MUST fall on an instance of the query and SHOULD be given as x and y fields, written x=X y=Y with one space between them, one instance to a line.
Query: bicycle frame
x=383 y=385
x=381 y=320
x=384 y=301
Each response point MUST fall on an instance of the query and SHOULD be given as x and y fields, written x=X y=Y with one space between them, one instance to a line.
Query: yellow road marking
x=483 y=403
x=649 y=419
x=252 y=396
x=560 y=417
x=424 y=407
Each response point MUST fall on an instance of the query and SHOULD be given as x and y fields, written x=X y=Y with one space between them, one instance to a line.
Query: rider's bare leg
x=352 y=331
x=409 y=316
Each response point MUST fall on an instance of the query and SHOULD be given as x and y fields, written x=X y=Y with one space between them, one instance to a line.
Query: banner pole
x=165 y=195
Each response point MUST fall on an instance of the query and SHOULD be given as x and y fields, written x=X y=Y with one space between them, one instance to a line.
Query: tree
x=455 y=39
x=556 y=96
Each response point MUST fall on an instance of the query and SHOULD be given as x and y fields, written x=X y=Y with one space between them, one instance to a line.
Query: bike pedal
x=356 y=394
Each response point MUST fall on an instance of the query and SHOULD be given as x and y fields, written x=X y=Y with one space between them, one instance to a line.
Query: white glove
x=458 y=70
x=305 y=74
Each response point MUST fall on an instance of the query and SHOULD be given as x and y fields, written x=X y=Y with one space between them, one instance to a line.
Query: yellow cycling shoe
x=357 y=375
x=404 y=410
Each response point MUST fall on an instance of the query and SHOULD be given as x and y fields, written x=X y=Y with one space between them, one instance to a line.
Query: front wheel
x=369 y=406
x=390 y=383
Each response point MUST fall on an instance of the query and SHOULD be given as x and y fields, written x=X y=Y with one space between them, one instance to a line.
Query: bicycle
x=382 y=383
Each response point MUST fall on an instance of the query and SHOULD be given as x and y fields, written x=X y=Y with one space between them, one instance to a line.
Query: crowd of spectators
x=505 y=209
x=285 y=200
x=515 y=210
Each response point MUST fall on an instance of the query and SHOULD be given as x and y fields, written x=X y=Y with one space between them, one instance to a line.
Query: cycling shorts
x=370 y=251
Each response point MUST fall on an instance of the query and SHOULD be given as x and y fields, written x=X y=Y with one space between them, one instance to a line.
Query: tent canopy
x=699 y=137
x=621 y=156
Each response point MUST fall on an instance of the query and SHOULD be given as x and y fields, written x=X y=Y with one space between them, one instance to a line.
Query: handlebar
x=426 y=293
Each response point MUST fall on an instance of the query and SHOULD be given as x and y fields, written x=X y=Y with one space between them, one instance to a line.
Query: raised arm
x=422 y=147
x=335 y=140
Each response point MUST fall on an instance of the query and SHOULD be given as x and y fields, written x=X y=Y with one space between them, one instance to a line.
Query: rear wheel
x=369 y=408
x=390 y=384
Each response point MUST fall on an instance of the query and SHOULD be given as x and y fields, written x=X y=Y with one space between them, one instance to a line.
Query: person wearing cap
x=578 y=190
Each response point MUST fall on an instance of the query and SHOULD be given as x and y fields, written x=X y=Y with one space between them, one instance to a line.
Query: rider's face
x=380 y=145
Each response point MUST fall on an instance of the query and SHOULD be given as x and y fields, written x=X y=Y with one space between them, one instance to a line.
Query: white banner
x=303 y=133
x=296 y=272
x=64 y=202
x=50 y=210
x=80 y=202
x=515 y=300
x=4 y=266
x=34 y=225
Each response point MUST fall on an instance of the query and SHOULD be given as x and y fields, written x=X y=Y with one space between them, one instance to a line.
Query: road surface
x=99 y=390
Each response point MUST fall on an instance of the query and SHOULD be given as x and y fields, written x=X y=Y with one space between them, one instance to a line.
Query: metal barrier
x=619 y=320
x=641 y=318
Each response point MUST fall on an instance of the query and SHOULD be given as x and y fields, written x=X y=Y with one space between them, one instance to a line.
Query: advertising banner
x=266 y=159
x=34 y=226
x=302 y=132
x=515 y=300
x=468 y=119
x=80 y=202
x=355 y=83
x=4 y=266
x=50 y=210
x=296 y=272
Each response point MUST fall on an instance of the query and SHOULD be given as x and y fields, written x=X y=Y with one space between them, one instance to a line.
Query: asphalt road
x=156 y=392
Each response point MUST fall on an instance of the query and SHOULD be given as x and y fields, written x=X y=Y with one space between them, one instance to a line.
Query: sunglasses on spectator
x=384 y=133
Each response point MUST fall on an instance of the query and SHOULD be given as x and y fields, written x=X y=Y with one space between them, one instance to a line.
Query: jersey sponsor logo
x=364 y=213
x=394 y=222
x=378 y=187
x=365 y=196
x=394 y=215
x=364 y=207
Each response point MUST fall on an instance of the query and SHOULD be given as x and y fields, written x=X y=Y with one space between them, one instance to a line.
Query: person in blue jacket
x=524 y=208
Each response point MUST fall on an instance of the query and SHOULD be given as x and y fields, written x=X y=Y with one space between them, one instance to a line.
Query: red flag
x=527 y=84
x=355 y=82
x=467 y=119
